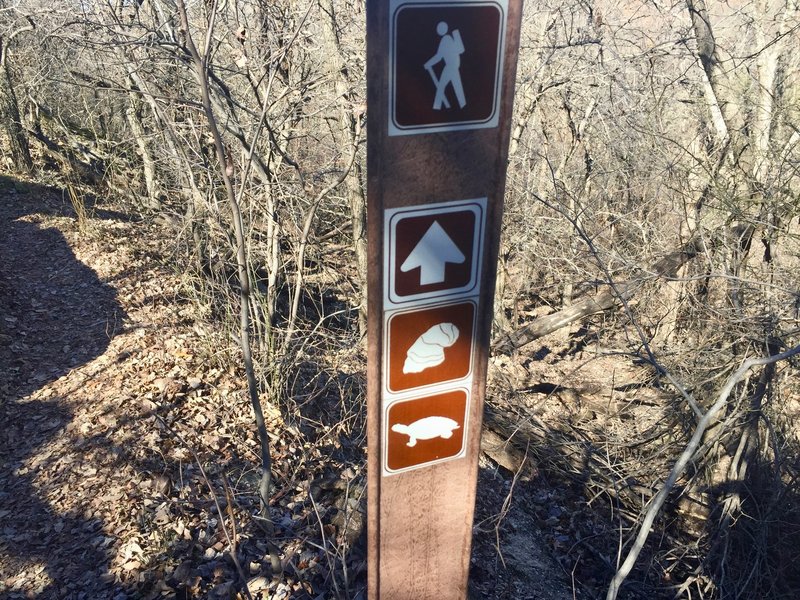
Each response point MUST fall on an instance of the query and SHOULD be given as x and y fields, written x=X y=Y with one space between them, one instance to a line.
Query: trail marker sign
x=434 y=251
x=431 y=254
x=429 y=346
x=424 y=431
x=446 y=62
x=439 y=89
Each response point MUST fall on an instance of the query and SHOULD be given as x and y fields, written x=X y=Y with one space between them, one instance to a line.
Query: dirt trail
x=71 y=481
x=60 y=324
x=56 y=317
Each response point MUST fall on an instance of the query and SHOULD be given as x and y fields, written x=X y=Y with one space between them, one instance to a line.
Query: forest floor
x=128 y=454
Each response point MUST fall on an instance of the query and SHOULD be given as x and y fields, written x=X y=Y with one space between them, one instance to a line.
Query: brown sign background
x=406 y=327
x=416 y=41
x=399 y=455
x=459 y=226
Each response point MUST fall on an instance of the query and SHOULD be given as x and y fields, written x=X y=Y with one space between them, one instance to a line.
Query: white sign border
x=392 y=216
x=395 y=6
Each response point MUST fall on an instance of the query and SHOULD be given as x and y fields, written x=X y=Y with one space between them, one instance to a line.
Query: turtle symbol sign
x=425 y=430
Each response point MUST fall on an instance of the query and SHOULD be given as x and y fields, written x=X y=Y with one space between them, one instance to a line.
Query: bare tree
x=9 y=104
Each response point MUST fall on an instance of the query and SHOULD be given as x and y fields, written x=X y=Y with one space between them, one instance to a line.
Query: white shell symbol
x=426 y=429
x=428 y=350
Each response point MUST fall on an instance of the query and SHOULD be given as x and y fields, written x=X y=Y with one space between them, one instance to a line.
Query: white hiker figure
x=450 y=50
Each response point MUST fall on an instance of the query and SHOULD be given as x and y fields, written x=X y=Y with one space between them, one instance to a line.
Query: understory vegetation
x=643 y=406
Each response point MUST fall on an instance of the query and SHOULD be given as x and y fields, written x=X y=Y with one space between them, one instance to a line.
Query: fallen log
x=90 y=172
x=610 y=298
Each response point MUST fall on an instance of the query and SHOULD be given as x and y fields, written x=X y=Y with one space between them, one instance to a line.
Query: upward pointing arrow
x=431 y=254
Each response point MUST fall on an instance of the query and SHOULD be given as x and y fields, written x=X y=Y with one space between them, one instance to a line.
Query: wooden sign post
x=440 y=85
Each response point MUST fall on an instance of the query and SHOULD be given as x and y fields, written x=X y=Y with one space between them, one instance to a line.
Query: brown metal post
x=440 y=89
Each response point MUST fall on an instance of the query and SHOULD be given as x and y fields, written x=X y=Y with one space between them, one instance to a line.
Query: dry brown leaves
x=100 y=495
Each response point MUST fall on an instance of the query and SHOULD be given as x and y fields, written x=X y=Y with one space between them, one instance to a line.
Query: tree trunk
x=718 y=94
x=348 y=128
x=200 y=66
x=12 y=123
x=134 y=118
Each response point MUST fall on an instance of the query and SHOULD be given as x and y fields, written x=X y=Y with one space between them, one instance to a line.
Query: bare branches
x=608 y=299
x=304 y=235
x=688 y=454
x=652 y=198
x=226 y=172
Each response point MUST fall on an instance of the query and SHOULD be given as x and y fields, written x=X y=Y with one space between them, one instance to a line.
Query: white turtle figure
x=426 y=429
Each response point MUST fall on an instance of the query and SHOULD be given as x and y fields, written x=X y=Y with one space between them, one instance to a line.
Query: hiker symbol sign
x=445 y=62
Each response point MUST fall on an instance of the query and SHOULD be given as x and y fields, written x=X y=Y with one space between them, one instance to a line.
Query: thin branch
x=226 y=170
x=230 y=536
x=677 y=470
x=307 y=230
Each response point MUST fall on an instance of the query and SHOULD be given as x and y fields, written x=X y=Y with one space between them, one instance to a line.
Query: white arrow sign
x=416 y=237
x=431 y=254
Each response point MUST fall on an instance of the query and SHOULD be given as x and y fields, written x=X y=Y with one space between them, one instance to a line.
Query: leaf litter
x=112 y=384
x=98 y=498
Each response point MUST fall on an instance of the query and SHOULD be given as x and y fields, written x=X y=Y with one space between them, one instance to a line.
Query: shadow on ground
x=602 y=453
x=55 y=315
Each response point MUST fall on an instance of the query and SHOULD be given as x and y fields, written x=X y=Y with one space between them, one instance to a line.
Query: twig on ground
x=230 y=537
x=331 y=563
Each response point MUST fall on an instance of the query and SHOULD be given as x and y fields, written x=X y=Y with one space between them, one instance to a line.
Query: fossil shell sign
x=429 y=346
